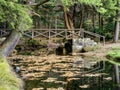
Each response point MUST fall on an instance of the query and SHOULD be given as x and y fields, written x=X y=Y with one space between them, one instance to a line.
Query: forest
x=59 y=44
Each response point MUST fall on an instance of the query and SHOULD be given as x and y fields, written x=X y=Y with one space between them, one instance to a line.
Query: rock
x=85 y=44
x=2 y=39
x=77 y=48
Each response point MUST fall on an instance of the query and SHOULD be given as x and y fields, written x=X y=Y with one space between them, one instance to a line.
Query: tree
x=116 y=38
x=16 y=15
x=72 y=8
x=117 y=24
x=18 y=20
x=112 y=10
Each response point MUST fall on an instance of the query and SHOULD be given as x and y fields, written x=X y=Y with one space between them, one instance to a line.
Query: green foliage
x=15 y=14
x=105 y=7
x=87 y=2
x=107 y=30
x=115 y=54
x=68 y=2
x=91 y=2
x=32 y=42
x=108 y=8
x=8 y=79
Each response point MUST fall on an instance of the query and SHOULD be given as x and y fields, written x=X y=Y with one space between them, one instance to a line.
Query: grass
x=8 y=79
x=114 y=56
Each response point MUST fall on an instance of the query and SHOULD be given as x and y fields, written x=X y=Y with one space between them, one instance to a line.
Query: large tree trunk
x=116 y=31
x=10 y=42
x=117 y=25
x=116 y=37
x=116 y=73
x=5 y=49
x=68 y=20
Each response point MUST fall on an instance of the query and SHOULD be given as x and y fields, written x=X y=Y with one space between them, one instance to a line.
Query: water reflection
x=66 y=73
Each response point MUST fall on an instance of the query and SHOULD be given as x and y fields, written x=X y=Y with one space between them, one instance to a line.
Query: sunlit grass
x=114 y=56
x=8 y=79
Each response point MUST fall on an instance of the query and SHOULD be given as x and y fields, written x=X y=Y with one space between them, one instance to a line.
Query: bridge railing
x=51 y=33
x=94 y=35
x=55 y=33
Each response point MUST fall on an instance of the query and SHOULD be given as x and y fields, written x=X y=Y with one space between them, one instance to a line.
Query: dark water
x=99 y=77
x=66 y=73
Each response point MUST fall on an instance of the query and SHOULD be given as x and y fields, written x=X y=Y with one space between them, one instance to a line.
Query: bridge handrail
x=79 y=31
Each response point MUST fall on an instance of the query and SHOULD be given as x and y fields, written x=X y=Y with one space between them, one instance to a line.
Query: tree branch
x=41 y=3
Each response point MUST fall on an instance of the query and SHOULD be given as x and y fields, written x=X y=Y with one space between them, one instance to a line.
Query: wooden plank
x=58 y=34
x=39 y=34
x=26 y=34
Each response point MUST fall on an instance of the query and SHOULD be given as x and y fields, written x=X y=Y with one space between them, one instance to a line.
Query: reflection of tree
x=113 y=58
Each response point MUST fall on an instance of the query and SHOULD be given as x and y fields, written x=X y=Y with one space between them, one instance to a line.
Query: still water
x=66 y=73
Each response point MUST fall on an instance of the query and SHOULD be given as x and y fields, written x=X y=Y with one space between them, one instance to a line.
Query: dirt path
x=101 y=52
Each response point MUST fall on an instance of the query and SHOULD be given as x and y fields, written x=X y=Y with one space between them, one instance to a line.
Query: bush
x=32 y=42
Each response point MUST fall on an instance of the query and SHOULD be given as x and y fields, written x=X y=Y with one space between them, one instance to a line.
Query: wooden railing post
x=103 y=40
x=49 y=33
x=65 y=33
x=32 y=33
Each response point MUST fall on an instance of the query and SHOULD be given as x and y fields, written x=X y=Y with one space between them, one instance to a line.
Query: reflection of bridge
x=56 y=33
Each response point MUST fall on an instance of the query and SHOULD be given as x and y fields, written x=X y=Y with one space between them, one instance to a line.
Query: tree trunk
x=116 y=38
x=6 y=48
x=74 y=15
x=117 y=26
x=117 y=79
x=93 y=20
x=102 y=23
x=99 y=16
x=68 y=21
x=116 y=31
x=10 y=42
x=81 y=18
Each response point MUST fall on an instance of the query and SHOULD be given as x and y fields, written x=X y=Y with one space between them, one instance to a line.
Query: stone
x=86 y=43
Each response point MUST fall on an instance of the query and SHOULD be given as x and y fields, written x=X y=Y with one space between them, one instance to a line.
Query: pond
x=65 y=73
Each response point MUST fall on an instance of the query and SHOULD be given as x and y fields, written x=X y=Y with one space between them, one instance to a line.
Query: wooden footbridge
x=56 y=33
